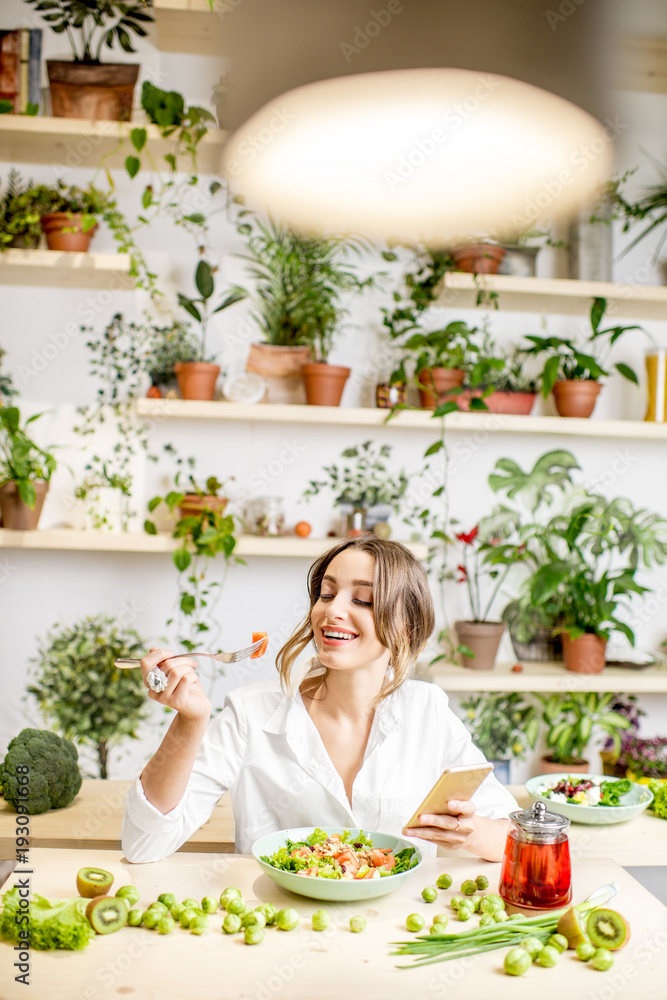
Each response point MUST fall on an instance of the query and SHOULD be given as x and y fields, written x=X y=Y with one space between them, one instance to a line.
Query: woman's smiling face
x=342 y=617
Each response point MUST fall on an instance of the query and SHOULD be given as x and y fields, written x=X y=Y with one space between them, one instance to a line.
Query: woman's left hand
x=452 y=830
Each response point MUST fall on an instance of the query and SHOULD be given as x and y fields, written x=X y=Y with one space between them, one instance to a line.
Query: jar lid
x=538 y=822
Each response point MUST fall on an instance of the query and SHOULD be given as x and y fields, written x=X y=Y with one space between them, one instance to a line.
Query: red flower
x=464 y=575
x=468 y=538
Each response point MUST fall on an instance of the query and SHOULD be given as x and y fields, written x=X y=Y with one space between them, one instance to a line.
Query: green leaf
x=147 y=197
x=132 y=165
x=171 y=160
x=204 y=279
x=138 y=138
x=189 y=307
x=182 y=559
x=187 y=604
x=597 y=312
x=435 y=447
x=149 y=528
x=27 y=493
x=627 y=372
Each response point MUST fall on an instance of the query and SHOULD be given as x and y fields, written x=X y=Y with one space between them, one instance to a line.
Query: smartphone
x=459 y=782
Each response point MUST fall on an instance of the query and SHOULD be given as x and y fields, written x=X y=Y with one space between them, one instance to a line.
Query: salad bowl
x=631 y=804
x=338 y=890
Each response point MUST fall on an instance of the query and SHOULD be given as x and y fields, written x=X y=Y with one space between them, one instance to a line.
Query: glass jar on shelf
x=265 y=516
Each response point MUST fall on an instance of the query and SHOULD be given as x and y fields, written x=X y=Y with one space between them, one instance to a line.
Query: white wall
x=42 y=588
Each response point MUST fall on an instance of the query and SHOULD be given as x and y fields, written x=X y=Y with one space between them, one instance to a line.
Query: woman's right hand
x=183 y=692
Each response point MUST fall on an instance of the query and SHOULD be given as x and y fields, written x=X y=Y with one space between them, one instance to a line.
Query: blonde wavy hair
x=402 y=609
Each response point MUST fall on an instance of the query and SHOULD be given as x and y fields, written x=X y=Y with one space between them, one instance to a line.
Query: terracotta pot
x=438 y=382
x=53 y=225
x=280 y=367
x=549 y=766
x=15 y=514
x=483 y=638
x=478 y=258
x=500 y=402
x=97 y=93
x=585 y=655
x=324 y=383
x=575 y=398
x=196 y=379
x=193 y=504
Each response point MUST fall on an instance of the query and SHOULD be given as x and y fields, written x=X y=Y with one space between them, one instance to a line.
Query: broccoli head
x=53 y=776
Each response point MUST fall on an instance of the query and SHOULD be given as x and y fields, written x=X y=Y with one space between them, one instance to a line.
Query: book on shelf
x=20 y=67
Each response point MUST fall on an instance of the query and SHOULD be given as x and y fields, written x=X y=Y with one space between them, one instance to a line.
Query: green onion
x=443 y=947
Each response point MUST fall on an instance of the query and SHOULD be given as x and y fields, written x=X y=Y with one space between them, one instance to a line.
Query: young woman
x=344 y=740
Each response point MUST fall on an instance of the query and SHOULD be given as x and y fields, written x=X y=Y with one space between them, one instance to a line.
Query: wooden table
x=96 y=815
x=303 y=964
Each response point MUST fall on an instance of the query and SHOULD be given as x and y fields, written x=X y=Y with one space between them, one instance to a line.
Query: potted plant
x=479 y=636
x=441 y=359
x=498 y=383
x=595 y=549
x=573 y=374
x=298 y=281
x=521 y=541
x=651 y=206
x=167 y=347
x=643 y=759
x=86 y=87
x=69 y=214
x=364 y=481
x=82 y=693
x=196 y=379
x=503 y=726
x=204 y=531
x=20 y=212
x=25 y=472
x=483 y=257
x=571 y=720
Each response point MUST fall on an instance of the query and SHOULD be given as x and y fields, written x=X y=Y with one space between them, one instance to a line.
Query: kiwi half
x=607 y=929
x=91 y=882
x=106 y=914
x=570 y=926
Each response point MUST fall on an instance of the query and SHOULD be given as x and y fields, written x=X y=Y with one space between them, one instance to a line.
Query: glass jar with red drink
x=536 y=872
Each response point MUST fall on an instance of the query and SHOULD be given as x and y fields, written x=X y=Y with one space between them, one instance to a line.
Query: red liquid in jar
x=536 y=876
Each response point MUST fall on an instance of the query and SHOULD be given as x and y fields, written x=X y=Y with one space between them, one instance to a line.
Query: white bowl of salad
x=590 y=798
x=336 y=864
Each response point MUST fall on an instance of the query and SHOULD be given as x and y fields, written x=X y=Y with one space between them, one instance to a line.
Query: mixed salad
x=340 y=856
x=586 y=791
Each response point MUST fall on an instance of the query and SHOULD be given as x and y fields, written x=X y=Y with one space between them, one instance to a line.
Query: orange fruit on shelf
x=262 y=649
x=303 y=529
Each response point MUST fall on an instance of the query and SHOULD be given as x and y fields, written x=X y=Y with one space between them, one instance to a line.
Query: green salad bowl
x=631 y=804
x=340 y=890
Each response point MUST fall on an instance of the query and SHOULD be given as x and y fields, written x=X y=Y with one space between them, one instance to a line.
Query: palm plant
x=571 y=719
x=299 y=281
x=99 y=22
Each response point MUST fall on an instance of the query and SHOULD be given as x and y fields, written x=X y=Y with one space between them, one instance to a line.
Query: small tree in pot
x=79 y=689
x=85 y=87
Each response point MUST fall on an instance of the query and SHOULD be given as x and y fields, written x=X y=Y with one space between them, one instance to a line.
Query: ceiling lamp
x=417 y=154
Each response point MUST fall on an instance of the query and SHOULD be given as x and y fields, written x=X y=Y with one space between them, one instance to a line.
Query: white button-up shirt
x=265 y=749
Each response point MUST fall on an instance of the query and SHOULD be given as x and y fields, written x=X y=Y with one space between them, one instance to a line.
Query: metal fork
x=157 y=679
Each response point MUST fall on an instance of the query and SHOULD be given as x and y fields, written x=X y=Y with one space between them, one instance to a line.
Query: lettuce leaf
x=52 y=924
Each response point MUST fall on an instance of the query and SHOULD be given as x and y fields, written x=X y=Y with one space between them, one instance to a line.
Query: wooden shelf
x=544 y=677
x=74 y=142
x=189 y=26
x=561 y=296
x=492 y=423
x=51 y=269
x=67 y=539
